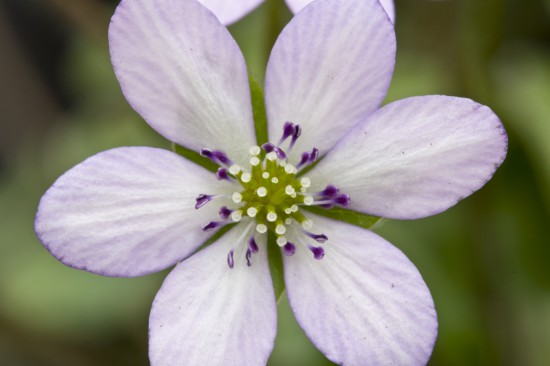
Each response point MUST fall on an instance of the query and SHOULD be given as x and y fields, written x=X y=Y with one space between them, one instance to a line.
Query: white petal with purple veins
x=330 y=66
x=364 y=302
x=229 y=11
x=126 y=212
x=416 y=157
x=181 y=70
x=209 y=314
x=297 y=5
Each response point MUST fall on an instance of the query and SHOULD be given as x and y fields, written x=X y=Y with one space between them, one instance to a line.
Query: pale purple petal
x=297 y=5
x=181 y=70
x=126 y=212
x=330 y=66
x=229 y=11
x=416 y=157
x=209 y=314
x=364 y=302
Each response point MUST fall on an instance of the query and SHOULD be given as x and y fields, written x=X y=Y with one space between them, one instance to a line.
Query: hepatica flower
x=230 y=11
x=131 y=211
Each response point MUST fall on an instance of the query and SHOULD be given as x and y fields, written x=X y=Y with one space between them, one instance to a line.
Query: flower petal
x=364 y=303
x=126 y=212
x=209 y=314
x=297 y=5
x=181 y=70
x=230 y=11
x=416 y=157
x=330 y=66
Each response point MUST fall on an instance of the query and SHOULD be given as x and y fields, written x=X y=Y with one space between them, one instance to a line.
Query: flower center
x=269 y=195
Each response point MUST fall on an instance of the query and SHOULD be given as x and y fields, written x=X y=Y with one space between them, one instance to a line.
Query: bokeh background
x=486 y=261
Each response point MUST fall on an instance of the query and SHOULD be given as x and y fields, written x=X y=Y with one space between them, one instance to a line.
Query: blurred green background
x=486 y=261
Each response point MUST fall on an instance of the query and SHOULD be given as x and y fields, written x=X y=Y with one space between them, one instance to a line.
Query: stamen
x=289 y=249
x=225 y=212
x=304 y=159
x=269 y=148
x=274 y=180
x=261 y=192
x=289 y=190
x=246 y=177
x=202 y=199
x=230 y=261
x=271 y=216
x=212 y=225
x=236 y=215
x=330 y=191
x=261 y=228
x=216 y=156
x=265 y=175
x=288 y=130
x=320 y=238
x=254 y=161
x=252 y=245
x=318 y=252
x=222 y=174
x=252 y=211
x=297 y=133
x=307 y=224
x=236 y=197
x=234 y=169
x=290 y=169
x=248 y=257
x=254 y=150
x=280 y=229
x=308 y=200
x=305 y=182
x=343 y=200
x=314 y=155
x=281 y=240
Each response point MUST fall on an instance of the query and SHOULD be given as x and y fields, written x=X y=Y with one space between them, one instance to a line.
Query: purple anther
x=252 y=245
x=216 y=156
x=248 y=257
x=223 y=174
x=343 y=200
x=289 y=249
x=202 y=199
x=230 y=261
x=320 y=238
x=288 y=130
x=280 y=153
x=330 y=191
x=314 y=155
x=268 y=147
x=211 y=225
x=295 y=135
x=225 y=212
x=305 y=159
x=318 y=252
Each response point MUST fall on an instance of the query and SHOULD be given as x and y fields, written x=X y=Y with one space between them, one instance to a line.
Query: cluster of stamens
x=270 y=194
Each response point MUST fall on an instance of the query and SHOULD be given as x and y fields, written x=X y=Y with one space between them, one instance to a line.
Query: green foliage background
x=486 y=261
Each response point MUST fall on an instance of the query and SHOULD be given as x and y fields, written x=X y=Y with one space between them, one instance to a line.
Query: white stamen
x=265 y=175
x=293 y=195
x=307 y=224
x=236 y=215
x=271 y=156
x=280 y=229
x=289 y=190
x=308 y=200
x=254 y=150
x=288 y=211
x=288 y=221
x=275 y=180
x=294 y=208
x=246 y=177
x=305 y=182
x=281 y=240
x=261 y=192
x=252 y=211
x=254 y=161
x=261 y=228
x=271 y=216
x=234 y=169
x=237 y=197
x=290 y=169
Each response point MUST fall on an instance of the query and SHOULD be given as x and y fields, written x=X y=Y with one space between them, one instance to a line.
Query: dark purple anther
x=320 y=238
x=211 y=225
x=216 y=156
x=223 y=174
x=295 y=135
x=280 y=153
x=225 y=212
x=330 y=191
x=288 y=130
x=314 y=155
x=305 y=159
x=230 y=261
x=252 y=245
x=202 y=199
x=318 y=252
x=289 y=249
x=343 y=200
x=268 y=147
x=248 y=257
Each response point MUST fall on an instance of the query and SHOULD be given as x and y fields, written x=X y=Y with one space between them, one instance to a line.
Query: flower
x=231 y=11
x=135 y=210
